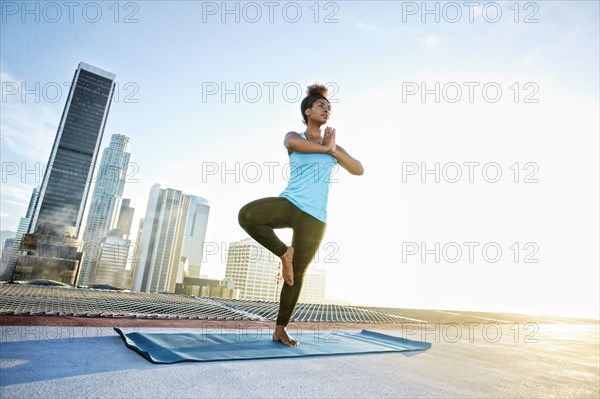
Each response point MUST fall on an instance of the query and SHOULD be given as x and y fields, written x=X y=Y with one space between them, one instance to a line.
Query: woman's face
x=319 y=112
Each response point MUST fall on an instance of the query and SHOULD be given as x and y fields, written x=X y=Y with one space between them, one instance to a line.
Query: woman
x=302 y=206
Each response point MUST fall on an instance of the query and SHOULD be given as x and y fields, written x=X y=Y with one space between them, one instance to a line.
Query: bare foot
x=287 y=266
x=282 y=336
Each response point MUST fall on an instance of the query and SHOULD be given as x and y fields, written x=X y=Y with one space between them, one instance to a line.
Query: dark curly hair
x=314 y=92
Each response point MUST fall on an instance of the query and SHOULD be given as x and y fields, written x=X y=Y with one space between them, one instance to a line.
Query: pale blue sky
x=170 y=53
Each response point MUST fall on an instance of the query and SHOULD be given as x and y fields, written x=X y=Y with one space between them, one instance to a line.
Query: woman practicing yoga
x=302 y=206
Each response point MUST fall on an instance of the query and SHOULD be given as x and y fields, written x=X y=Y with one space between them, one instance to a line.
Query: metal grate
x=17 y=299
x=36 y=300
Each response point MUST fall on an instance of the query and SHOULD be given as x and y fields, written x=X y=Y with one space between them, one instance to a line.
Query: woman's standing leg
x=308 y=234
x=259 y=218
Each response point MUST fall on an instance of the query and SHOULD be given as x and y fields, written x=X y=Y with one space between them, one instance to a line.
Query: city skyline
x=449 y=183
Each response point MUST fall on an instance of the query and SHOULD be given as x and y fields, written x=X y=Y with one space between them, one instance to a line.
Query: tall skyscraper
x=71 y=165
x=51 y=249
x=106 y=204
x=194 y=234
x=172 y=238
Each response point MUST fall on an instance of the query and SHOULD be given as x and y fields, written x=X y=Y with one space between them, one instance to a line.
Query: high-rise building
x=11 y=256
x=7 y=250
x=114 y=260
x=125 y=217
x=194 y=234
x=135 y=254
x=172 y=239
x=313 y=287
x=117 y=255
x=70 y=168
x=51 y=249
x=105 y=207
x=256 y=272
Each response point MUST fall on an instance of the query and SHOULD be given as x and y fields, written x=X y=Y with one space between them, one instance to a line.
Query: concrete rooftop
x=473 y=355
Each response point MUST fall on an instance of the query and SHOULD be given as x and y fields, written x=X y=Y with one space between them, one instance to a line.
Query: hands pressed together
x=329 y=140
x=344 y=159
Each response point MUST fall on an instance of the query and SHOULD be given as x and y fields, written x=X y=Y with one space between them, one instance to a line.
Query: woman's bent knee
x=244 y=216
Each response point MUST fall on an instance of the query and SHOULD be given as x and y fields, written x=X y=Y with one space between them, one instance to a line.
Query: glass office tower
x=52 y=250
x=172 y=240
x=71 y=165
x=106 y=202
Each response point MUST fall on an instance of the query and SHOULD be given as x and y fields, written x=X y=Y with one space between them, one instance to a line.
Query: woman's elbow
x=359 y=171
x=290 y=144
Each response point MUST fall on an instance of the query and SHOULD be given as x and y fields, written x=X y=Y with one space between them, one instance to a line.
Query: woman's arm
x=347 y=162
x=294 y=142
x=350 y=164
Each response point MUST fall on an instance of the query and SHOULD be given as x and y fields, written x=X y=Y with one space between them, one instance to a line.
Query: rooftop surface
x=58 y=342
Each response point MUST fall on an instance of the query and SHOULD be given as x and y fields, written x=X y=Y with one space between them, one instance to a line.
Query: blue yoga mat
x=182 y=347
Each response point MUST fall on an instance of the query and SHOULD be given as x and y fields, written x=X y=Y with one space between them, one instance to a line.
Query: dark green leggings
x=259 y=218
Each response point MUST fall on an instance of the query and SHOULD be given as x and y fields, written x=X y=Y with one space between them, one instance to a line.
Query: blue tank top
x=310 y=177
